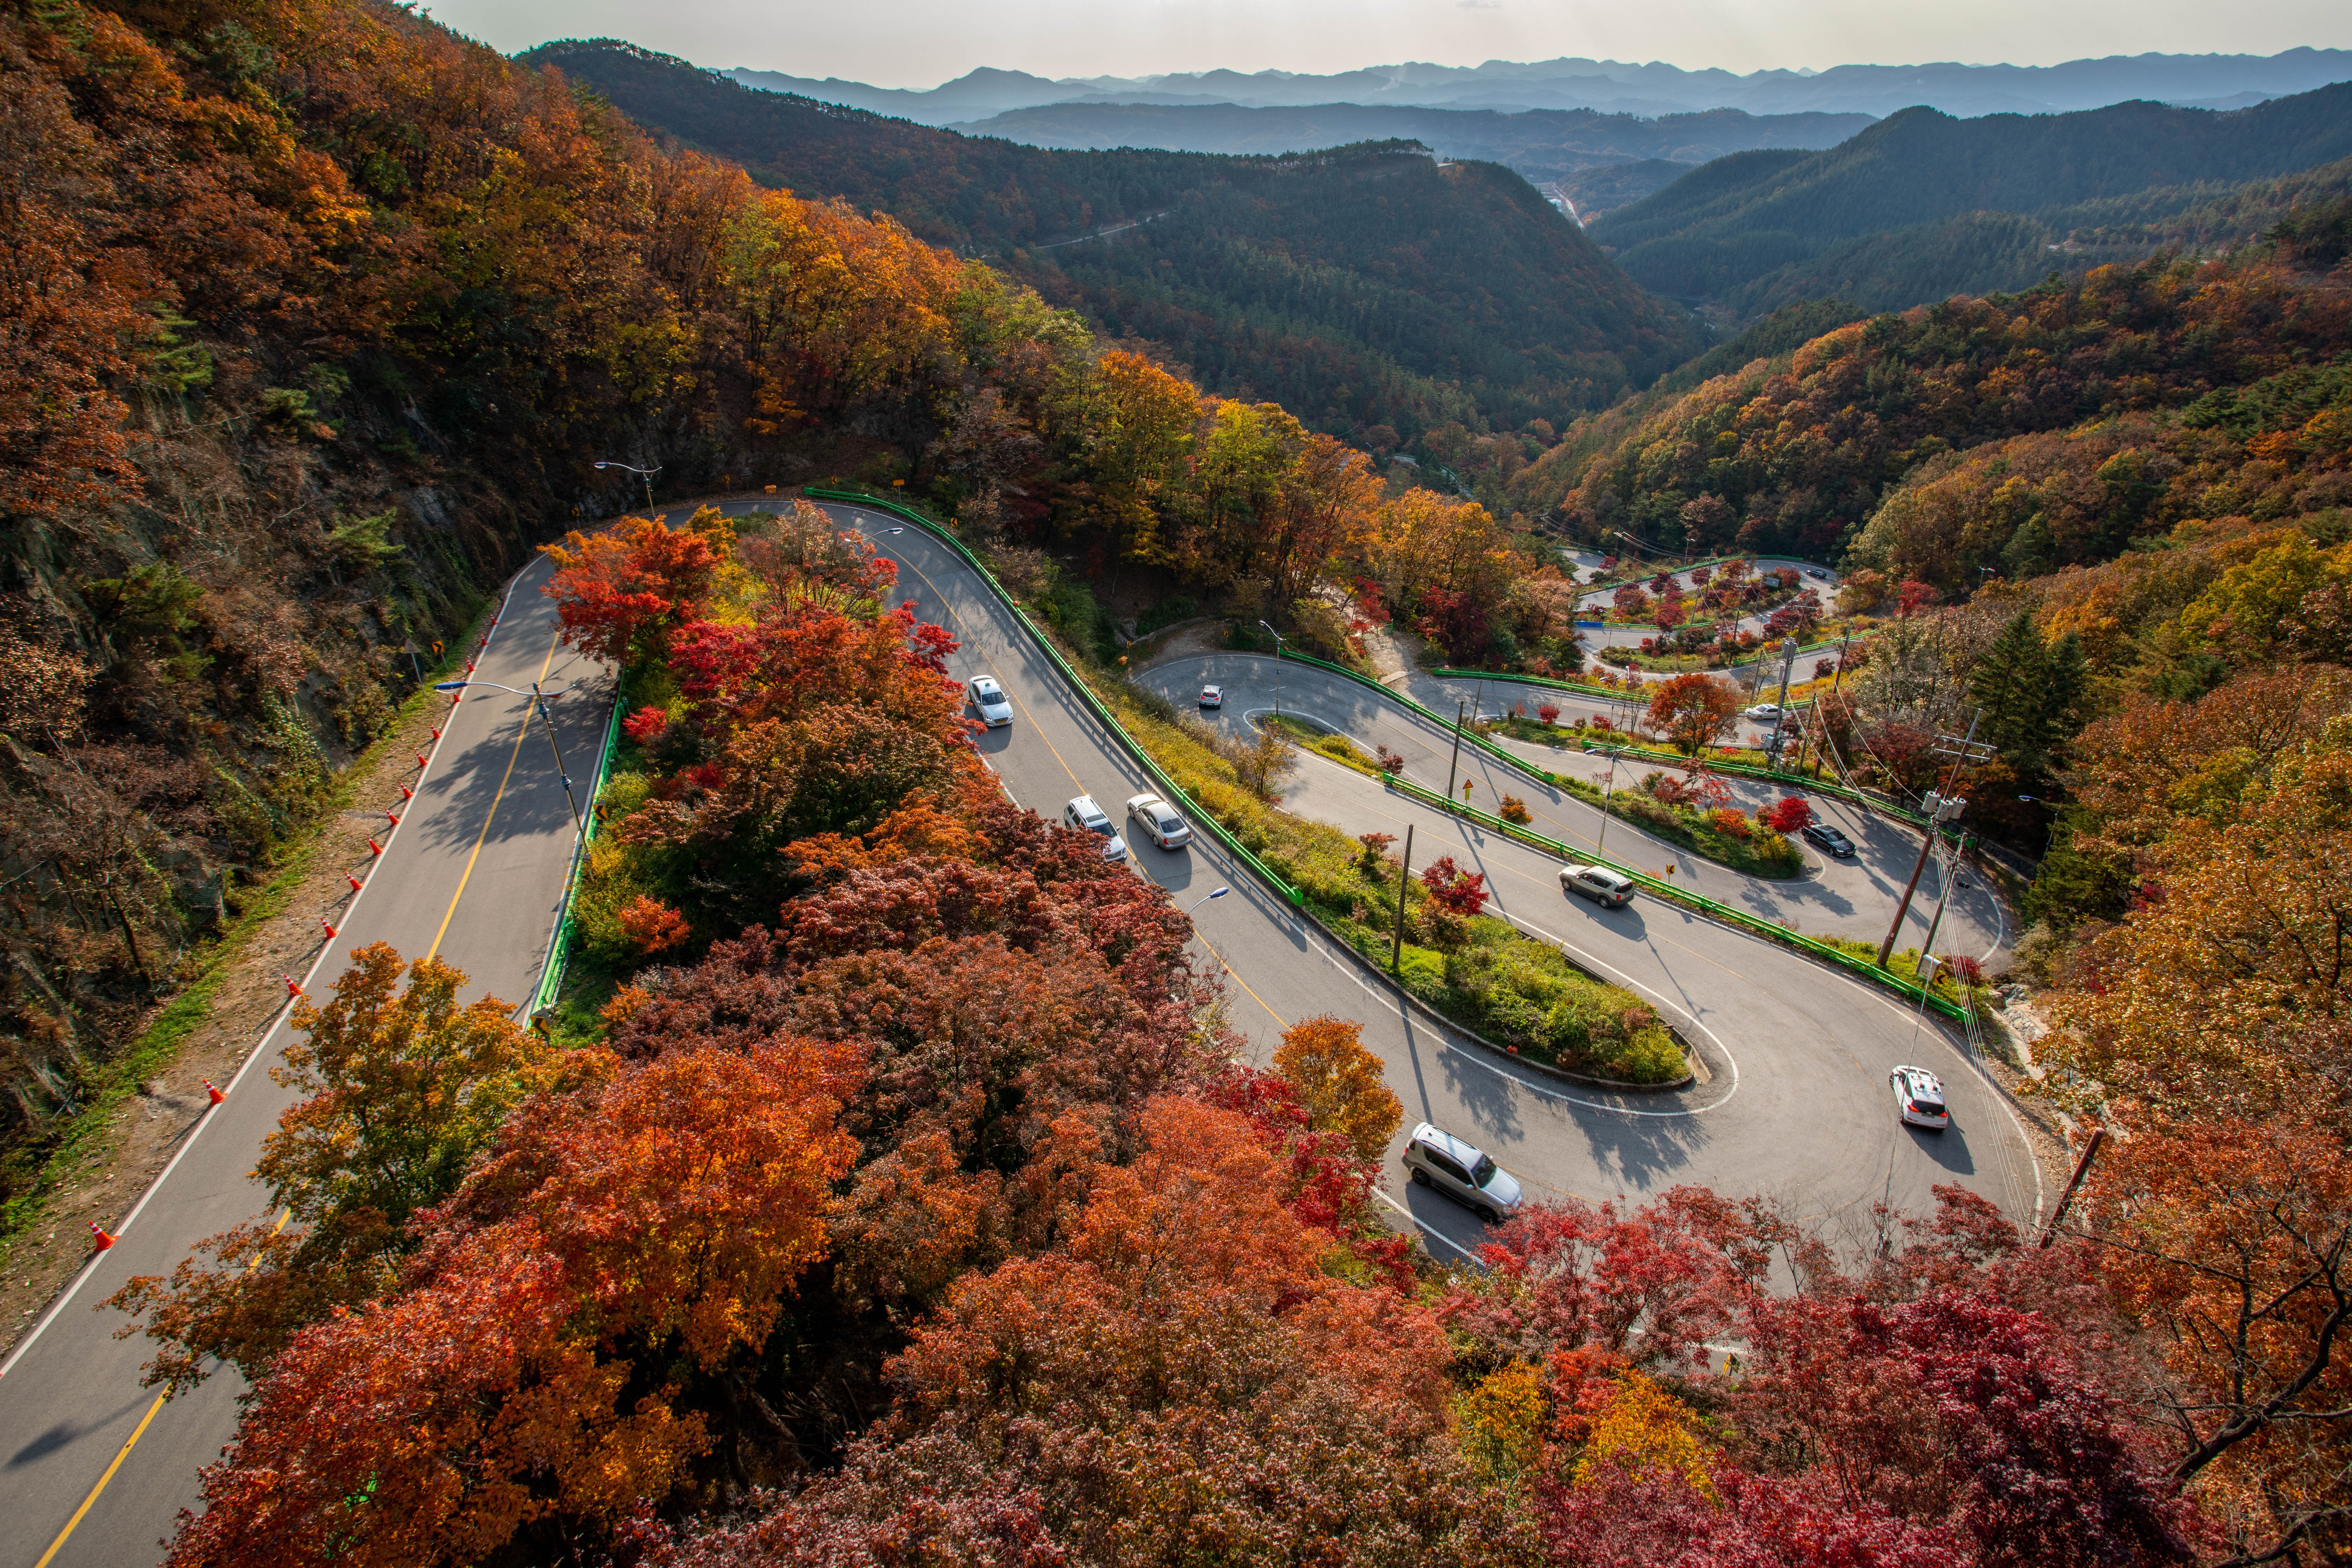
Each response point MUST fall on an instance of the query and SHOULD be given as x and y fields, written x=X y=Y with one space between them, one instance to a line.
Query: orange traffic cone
x=373 y=848
x=294 y=988
x=420 y=756
x=406 y=793
x=436 y=731
x=352 y=877
x=216 y=1096
x=328 y=926
x=392 y=816
x=99 y=1240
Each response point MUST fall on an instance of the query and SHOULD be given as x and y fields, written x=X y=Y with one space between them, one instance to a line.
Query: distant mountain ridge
x=1544 y=144
x=1615 y=87
x=1729 y=227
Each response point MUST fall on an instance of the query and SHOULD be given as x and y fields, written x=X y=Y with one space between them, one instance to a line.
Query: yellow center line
x=132 y=1441
x=468 y=874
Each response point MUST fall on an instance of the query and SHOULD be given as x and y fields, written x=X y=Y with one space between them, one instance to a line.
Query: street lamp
x=1219 y=893
x=1277 y=668
x=645 y=474
x=539 y=699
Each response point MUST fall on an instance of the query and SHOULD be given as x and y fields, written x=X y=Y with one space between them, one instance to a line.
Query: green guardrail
x=1576 y=689
x=1085 y=693
x=558 y=952
x=1729 y=915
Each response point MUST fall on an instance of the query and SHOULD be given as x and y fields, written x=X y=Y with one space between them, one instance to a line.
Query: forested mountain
x=1541 y=143
x=1872 y=218
x=1359 y=287
x=2147 y=397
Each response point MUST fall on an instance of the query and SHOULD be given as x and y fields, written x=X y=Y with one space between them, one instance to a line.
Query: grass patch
x=1326 y=743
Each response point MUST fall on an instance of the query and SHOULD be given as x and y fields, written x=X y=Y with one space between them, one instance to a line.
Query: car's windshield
x=1484 y=1172
x=1100 y=824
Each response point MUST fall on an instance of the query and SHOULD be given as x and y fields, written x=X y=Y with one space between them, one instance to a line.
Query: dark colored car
x=1829 y=838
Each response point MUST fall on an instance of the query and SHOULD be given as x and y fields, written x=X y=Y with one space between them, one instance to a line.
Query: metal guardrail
x=558 y=952
x=1085 y=694
x=1663 y=886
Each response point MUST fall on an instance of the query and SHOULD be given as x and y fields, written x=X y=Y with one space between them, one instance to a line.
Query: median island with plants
x=1516 y=992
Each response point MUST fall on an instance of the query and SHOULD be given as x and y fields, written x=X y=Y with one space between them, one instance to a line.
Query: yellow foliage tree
x=1643 y=1429
x=1501 y=1422
x=1339 y=1081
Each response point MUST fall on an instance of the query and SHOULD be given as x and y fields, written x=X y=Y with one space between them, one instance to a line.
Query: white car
x=1212 y=697
x=1440 y=1160
x=1598 y=883
x=995 y=707
x=1765 y=713
x=1084 y=815
x=1919 y=1099
x=1160 y=822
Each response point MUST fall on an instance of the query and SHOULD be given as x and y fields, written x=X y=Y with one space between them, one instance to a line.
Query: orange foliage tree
x=622 y=1242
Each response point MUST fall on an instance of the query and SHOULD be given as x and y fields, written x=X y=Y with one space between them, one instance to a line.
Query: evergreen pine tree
x=2007 y=685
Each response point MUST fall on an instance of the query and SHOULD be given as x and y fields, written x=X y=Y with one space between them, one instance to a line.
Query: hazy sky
x=920 y=43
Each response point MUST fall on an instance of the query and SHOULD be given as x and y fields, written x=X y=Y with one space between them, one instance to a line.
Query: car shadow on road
x=1949 y=1148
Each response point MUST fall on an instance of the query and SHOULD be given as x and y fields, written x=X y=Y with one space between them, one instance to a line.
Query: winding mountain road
x=1796 y=1107
x=1852 y=898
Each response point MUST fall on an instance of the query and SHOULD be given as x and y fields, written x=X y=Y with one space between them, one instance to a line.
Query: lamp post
x=1219 y=893
x=644 y=474
x=1277 y=668
x=539 y=701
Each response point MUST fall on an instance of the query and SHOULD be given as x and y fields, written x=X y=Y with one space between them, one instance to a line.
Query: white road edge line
x=261 y=1047
x=1427 y=1230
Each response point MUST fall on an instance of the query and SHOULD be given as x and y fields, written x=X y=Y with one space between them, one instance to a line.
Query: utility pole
x=1951 y=870
x=1941 y=810
x=1788 y=666
x=1404 y=872
x=1599 y=845
x=1459 y=708
x=2066 y=1198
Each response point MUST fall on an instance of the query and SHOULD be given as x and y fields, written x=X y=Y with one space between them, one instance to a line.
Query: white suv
x=1599 y=884
x=1919 y=1099
x=1440 y=1160
x=1085 y=816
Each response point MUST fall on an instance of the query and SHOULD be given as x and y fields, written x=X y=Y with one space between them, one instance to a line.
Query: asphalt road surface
x=1797 y=1104
x=93 y=1468
x=1854 y=897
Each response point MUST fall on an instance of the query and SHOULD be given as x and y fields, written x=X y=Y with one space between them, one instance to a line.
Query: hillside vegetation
x=1913 y=208
x=1359 y=287
x=1798 y=449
